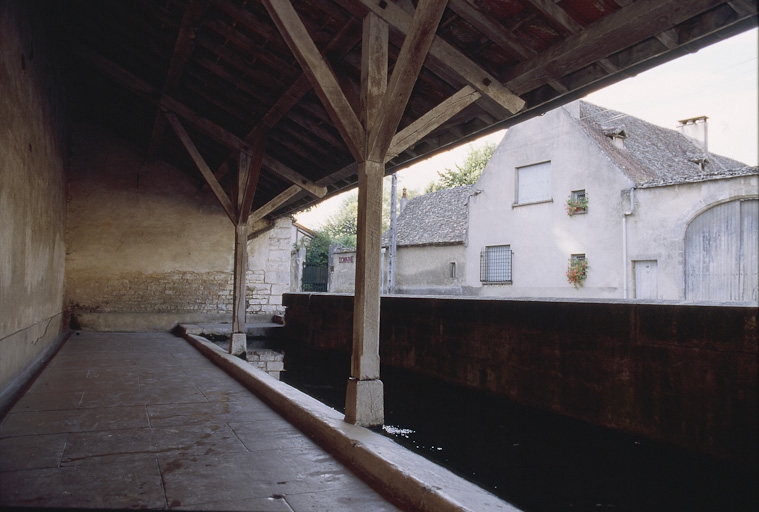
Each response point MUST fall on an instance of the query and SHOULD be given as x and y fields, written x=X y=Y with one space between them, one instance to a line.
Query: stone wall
x=268 y=275
x=680 y=373
x=33 y=158
x=146 y=250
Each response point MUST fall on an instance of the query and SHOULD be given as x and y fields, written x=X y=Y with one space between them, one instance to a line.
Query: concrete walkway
x=145 y=421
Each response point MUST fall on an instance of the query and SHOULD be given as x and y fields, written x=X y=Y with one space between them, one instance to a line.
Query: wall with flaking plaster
x=32 y=193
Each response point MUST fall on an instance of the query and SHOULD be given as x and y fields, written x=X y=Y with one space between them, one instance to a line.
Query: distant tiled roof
x=655 y=156
x=437 y=218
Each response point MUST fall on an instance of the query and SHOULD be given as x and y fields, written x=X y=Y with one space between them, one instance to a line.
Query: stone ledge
x=394 y=470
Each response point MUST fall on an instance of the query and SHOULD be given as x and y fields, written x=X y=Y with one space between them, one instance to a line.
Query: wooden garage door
x=722 y=253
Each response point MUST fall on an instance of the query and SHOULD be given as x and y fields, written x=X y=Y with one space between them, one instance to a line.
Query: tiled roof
x=655 y=156
x=437 y=218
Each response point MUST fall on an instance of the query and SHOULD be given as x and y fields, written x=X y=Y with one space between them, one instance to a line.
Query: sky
x=719 y=81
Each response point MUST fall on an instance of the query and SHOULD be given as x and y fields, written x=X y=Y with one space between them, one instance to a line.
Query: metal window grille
x=495 y=264
x=578 y=195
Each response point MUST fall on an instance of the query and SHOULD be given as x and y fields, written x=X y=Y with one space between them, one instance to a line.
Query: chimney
x=404 y=200
x=695 y=129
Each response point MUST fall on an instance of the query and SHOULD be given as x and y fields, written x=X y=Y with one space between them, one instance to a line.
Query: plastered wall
x=32 y=193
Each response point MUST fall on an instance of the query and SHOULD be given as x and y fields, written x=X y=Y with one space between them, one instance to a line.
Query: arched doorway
x=722 y=253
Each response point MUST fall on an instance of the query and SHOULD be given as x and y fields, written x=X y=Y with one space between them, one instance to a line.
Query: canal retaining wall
x=680 y=373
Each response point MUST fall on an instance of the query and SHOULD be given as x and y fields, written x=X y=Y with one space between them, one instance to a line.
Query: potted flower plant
x=577 y=204
x=577 y=271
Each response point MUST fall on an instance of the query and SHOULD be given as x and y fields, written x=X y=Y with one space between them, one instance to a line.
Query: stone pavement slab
x=143 y=420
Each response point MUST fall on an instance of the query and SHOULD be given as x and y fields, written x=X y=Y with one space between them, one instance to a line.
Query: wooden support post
x=364 y=399
x=371 y=137
x=237 y=345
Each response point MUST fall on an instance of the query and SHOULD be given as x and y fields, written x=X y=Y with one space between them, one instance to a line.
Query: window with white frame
x=533 y=183
x=495 y=264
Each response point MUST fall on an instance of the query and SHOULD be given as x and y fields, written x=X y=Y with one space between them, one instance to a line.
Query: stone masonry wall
x=268 y=274
x=147 y=250
x=685 y=374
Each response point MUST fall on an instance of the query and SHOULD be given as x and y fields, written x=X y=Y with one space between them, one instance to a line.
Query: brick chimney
x=696 y=131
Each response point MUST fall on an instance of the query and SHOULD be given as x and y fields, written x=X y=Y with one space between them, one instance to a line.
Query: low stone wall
x=678 y=373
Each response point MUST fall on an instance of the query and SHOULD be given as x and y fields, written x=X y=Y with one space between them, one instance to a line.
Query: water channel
x=535 y=460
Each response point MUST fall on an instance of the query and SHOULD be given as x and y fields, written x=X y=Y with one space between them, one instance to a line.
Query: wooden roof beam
x=185 y=43
x=559 y=18
x=320 y=75
x=642 y=19
x=249 y=172
x=415 y=47
x=204 y=125
x=272 y=205
x=216 y=187
x=423 y=126
x=496 y=33
x=445 y=54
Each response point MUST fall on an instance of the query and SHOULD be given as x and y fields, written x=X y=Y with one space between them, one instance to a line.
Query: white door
x=645 y=279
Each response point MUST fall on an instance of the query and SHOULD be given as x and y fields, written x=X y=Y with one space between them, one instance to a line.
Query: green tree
x=341 y=227
x=466 y=174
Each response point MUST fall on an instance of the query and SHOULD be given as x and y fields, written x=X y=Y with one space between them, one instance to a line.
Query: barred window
x=495 y=264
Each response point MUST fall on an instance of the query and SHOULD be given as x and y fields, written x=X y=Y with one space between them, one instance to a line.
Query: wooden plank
x=447 y=55
x=419 y=38
x=423 y=126
x=639 y=21
x=321 y=76
x=272 y=205
x=218 y=191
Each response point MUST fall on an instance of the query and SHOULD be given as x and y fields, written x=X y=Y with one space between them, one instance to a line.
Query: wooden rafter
x=446 y=55
x=272 y=205
x=218 y=191
x=559 y=18
x=191 y=22
x=249 y=181
x=202 y=124
x=320 y=75
x=642 y=19
x=420 y=128
x=495 y=32
x=234 y=73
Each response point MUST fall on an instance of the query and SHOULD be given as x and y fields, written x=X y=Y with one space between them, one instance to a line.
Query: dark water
x=535 y=460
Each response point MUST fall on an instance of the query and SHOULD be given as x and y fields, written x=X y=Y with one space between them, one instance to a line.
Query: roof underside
x=224 y=69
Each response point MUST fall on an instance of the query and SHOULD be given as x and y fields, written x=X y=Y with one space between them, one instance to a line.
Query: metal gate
x=315 y=278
